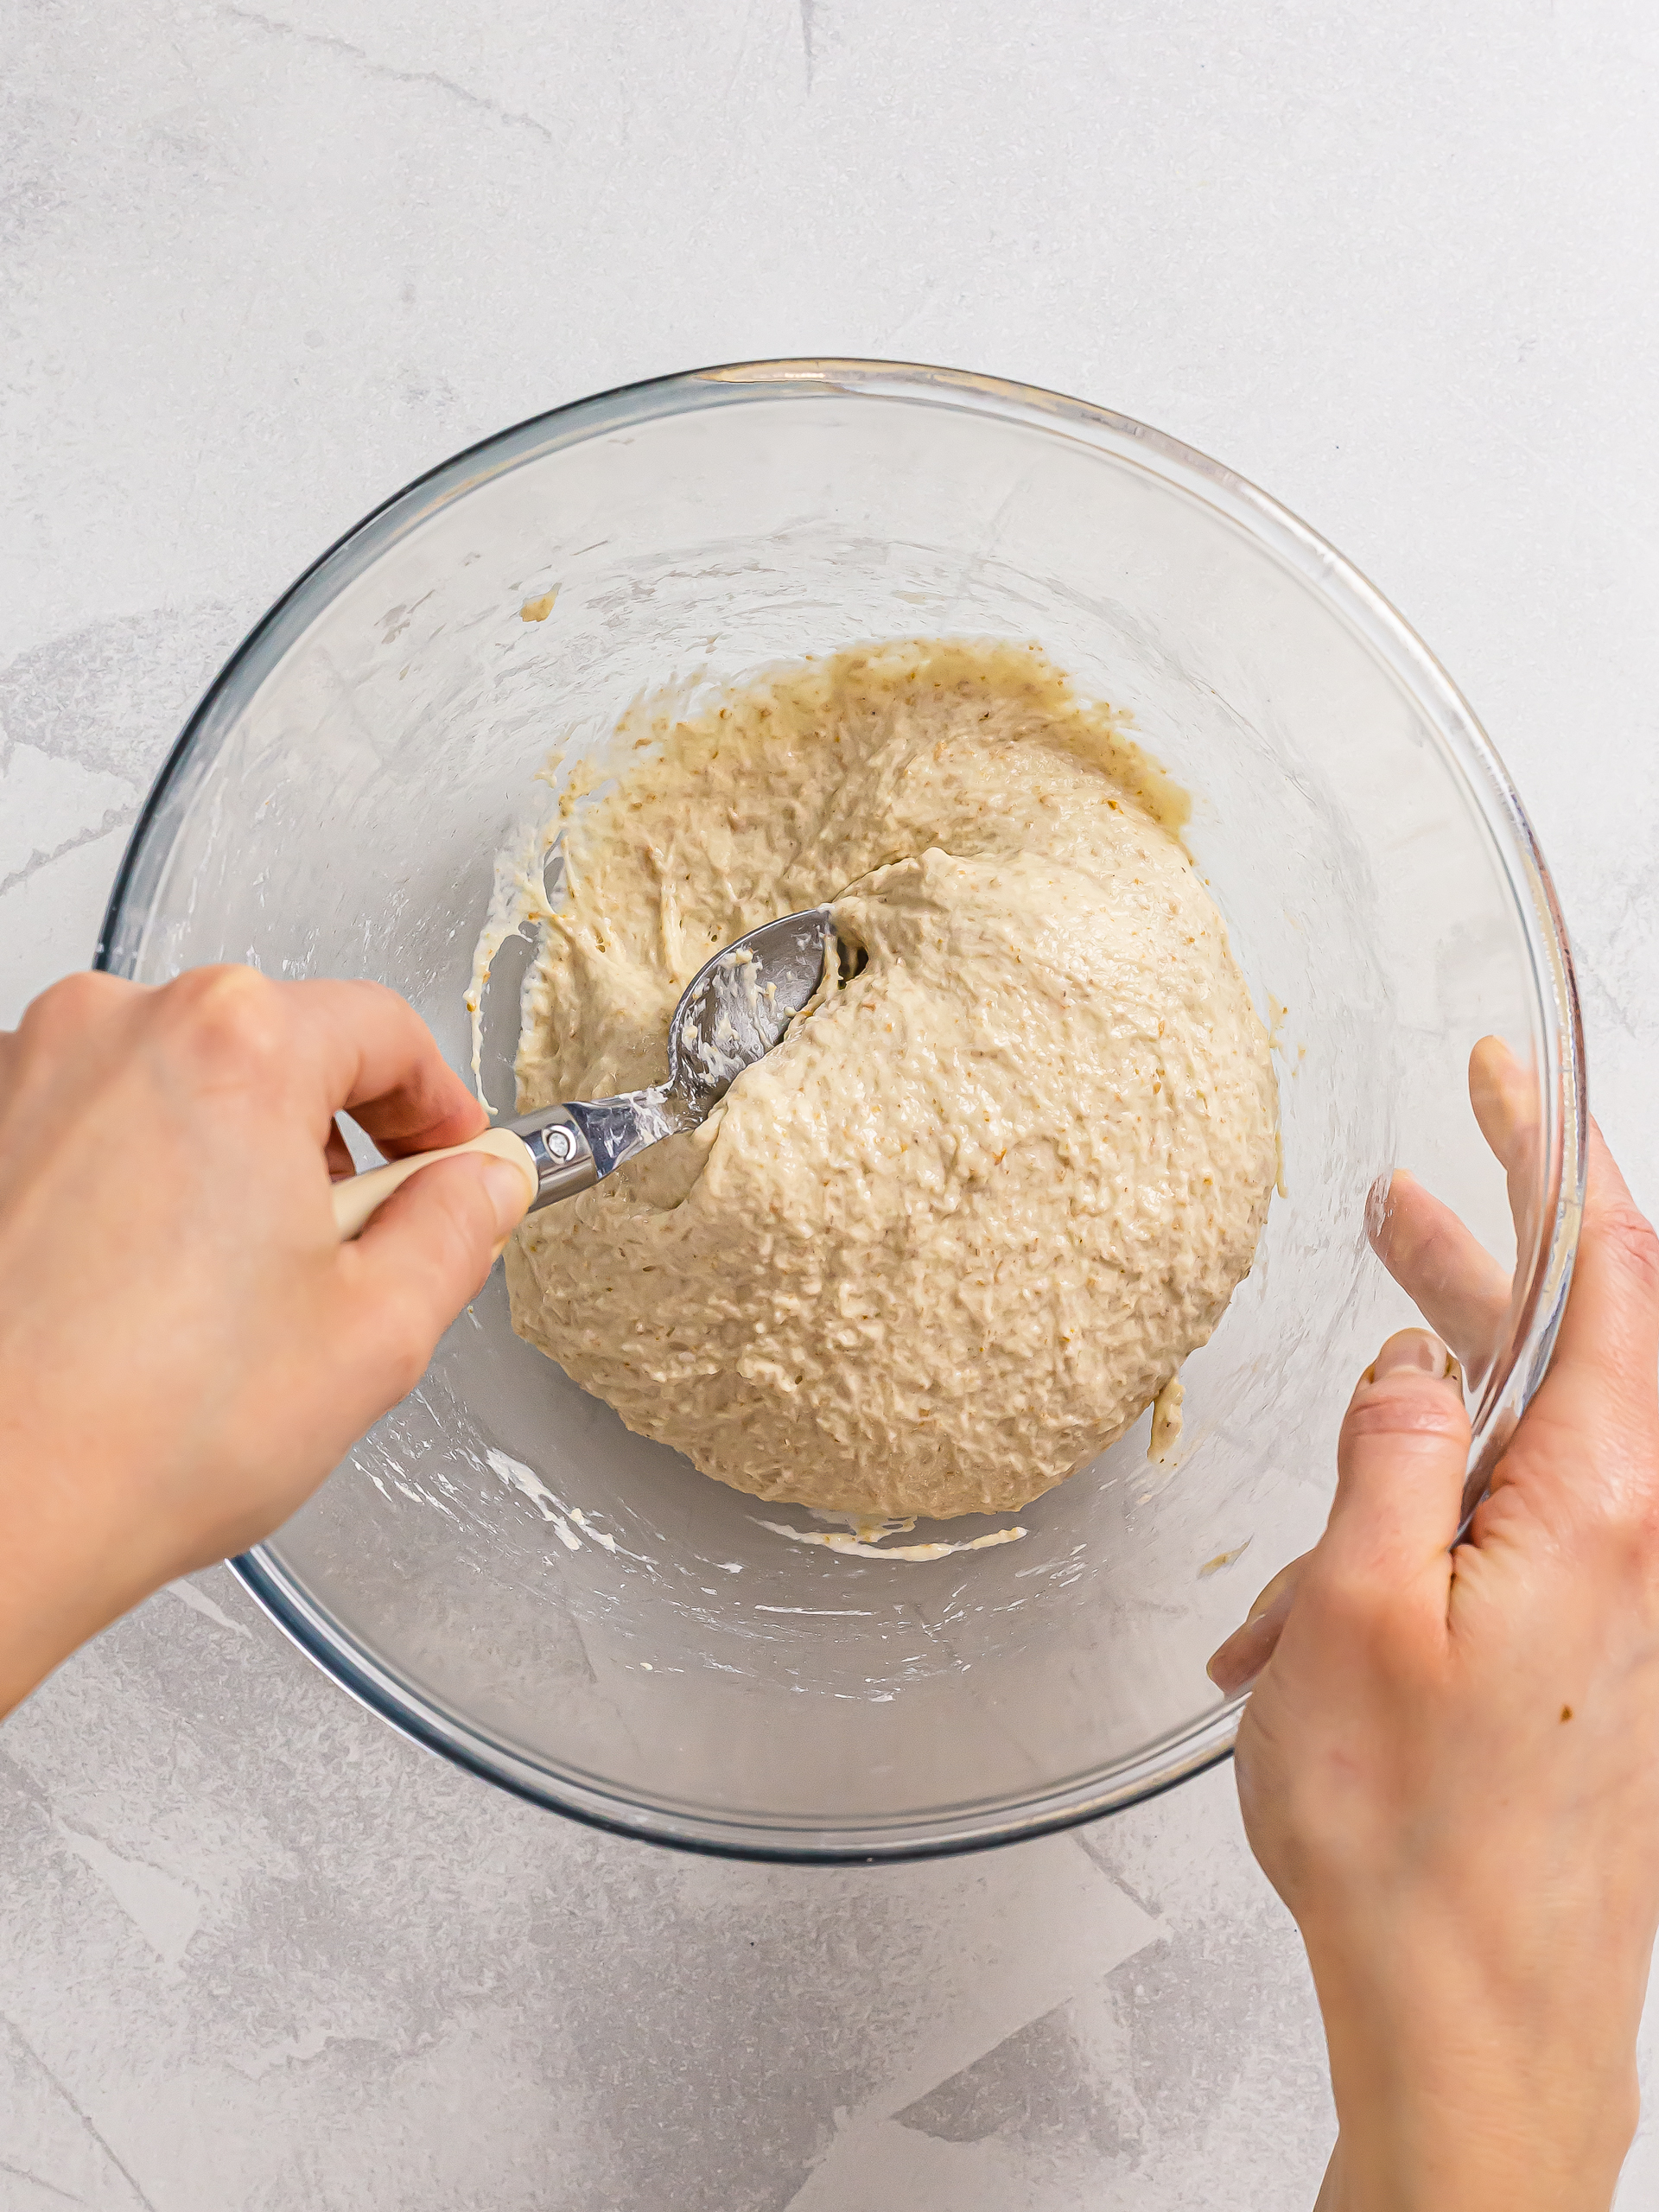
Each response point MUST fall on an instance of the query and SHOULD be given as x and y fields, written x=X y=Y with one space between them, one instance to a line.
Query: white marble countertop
x=262 y=265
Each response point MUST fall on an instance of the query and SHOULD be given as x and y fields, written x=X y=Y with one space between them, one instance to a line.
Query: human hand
x=1454 y=1283
x=185 y=1348
x=1449 y=1767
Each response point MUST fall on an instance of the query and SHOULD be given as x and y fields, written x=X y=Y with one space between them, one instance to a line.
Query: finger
x=1504 y=1095
x=423 y=1257
x=1508 y=1110
x=1451 y=1279
x=1401 y=1457
x=375 y=1057
x=1601 y=1380
x=338 y=1154
x=1247 y=1650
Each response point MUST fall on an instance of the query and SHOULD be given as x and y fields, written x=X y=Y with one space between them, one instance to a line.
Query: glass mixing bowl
x=501 y=1568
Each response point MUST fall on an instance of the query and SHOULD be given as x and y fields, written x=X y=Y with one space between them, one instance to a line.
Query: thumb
x=1401 y=1461
x=422 y=1255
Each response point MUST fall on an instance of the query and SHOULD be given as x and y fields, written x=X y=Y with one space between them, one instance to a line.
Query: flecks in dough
x=953 y=1234
x=1166 y=1421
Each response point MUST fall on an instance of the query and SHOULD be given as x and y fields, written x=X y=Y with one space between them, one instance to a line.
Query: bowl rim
x=1346 y=592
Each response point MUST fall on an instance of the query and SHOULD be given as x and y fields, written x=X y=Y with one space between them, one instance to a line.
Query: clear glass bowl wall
x=334 y=808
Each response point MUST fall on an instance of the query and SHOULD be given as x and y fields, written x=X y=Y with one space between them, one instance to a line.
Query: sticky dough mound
x=950 y=1236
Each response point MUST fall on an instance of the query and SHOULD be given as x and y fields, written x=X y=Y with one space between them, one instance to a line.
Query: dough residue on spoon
x=950 y=1236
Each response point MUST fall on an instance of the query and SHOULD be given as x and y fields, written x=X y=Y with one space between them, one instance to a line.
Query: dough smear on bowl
x=952 y=1235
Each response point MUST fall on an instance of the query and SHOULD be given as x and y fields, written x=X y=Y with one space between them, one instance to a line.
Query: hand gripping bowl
x=501 y=1568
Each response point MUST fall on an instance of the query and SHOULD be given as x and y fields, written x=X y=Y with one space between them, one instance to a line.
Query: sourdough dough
x=954 y=1233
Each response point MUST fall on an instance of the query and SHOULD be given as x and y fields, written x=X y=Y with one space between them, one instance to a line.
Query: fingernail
x=509 y=1195
x=1285 y=1580
x=1413 y=1349
x=1238 y=1662
x=1247 y=1650
x=1379 y=1207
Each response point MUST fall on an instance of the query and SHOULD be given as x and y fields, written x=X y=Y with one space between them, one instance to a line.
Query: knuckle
x=1354 y=1608
x=396 y=1340
x=1631 y=1237
x=67 y=1007
x=404 y=1368
x=1346 y=1597
x=232 y=1021
x=1627 y=1514
x=458 y=1223
x=1408 y=1406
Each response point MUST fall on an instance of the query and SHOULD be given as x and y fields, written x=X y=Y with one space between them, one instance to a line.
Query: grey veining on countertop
x=258 y=267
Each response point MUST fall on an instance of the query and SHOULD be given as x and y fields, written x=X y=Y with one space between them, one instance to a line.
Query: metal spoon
x=733 y=1011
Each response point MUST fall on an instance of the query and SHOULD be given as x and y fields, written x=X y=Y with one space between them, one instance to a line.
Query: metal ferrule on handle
x=560 y=1155
x=549 y=1147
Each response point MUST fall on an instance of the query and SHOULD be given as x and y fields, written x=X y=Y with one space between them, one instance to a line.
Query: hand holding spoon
x=734 y=1010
